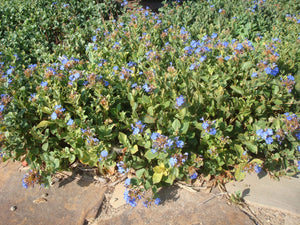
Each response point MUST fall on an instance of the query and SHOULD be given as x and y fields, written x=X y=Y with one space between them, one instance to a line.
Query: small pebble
x=45 y=195
x=13 y=208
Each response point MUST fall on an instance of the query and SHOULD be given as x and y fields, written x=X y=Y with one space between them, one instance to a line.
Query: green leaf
x=149 y=119
x=72 y=158
x=251 y=146
x=149 y=155
x=184 y=128
x=43 y=123
x=150 y=111
x=146 y=99
x=176 y=125
x=45 y=146
x=238 y=90
x=46 y=110
x=134 y=149
x=157 y=177
x=123 y=138
x=239 y=149
x=239 y=174
x=140 y=172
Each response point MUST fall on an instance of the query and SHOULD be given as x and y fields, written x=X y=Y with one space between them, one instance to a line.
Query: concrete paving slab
x=73 y=200
x=261 y=190
x=178 y=206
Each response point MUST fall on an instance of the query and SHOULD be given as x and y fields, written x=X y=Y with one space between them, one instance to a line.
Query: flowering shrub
x=163 y=97
x=34 y=29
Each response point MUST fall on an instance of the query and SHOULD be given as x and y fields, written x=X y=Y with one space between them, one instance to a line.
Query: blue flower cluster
x=266 y=135
x=58 y=110
x=179 y=101
x=138 y=128
x=163 y=143
x=208 y=126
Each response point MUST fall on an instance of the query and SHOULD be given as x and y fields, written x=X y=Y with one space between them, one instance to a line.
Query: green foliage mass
x=201 y=88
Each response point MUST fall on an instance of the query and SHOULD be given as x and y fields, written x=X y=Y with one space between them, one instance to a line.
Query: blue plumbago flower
x=54 y=116
x=192 y=67
x=134 y=85
x=213 y=131
x=291 y=77
x=254 y=74
x=44 y=83
x=194 y=176
x=269 y=140
x=154 y=136
x=121 y=167
x=239 y=47
x=24 y=183
x=275 y=71
x=268 y=70
x=104 y=154
x=146 y=87
x=173 y=161
x=94 y=38
x=9 y=71
x=265 y=135
x=157 y=201
x=205 y=125
x=70 y=122
x=127 y=182
x=138 y=128
x=179 y=101
x=65 y=5
x=32 y=96
x=202 y=58
x=257 y=168
x=115 y=68
x=227 y=58
x=299 y=148
x=179 y=144
x=299 y=165
x=297 y=135
x=214 y=35
x=74 y=77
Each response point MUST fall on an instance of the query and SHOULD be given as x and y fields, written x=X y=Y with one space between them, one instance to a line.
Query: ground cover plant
x=203 y=87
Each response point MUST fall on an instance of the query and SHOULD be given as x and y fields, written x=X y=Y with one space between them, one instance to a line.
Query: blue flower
x=290 y=77
x=24 y=183
x=179 y=144
x=214 y=35
x=54 y=116
x=257 y=168
x=239 y=46
x=127 y=182
x=269 y=140
x=94 y=38
x=115 y=68
x=194 y=176
x=104 y=154
x=146 y=87
x=44 y=83
x=179 y=101
x=202 y=58
x=70 y=122
x=138 y=127
x=274 y=71
x=192 y=67
x=268 y=70
x=213 y=131
x=298 y=135
x=205 y=125
x=154 y=136
x=173 y=161
x=254 y=74
x=227 y=58
x=157 y=201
